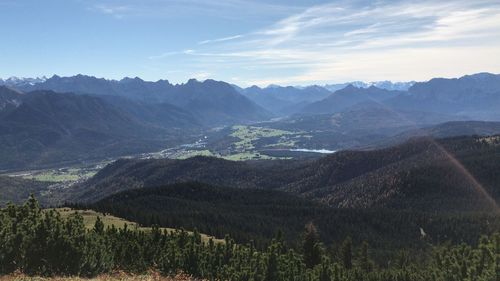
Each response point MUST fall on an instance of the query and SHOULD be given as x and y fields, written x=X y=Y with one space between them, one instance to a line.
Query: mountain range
x=475 y=96
x=386 y=85
x=81 y=117
x=212 y=102
x=348 y=97
x=218 y=103
x=284 y=100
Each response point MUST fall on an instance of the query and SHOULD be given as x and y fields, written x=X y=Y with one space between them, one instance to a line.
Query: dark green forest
x=419 y=175
x=39 y=242
x=257 y=215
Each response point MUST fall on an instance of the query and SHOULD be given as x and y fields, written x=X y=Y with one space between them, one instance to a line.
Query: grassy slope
x=90 y=217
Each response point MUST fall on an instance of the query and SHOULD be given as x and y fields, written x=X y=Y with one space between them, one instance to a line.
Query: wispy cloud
x=343 y=40
x=223 y=39
x=117 y=11
x=232 y=9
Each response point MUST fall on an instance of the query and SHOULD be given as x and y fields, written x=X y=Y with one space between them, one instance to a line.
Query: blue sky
x=250 y=41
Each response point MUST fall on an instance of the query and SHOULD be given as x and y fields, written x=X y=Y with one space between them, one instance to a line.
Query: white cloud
x=117 y=11
x=340 y=41
x=201 y=75
x=223 y=39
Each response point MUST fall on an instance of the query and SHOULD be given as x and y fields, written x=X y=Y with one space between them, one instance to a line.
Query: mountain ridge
x=191 y=96
x=336 y=179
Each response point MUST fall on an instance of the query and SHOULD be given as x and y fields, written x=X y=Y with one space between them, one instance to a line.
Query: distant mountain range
x=66 y=119
x=284 y=100
x=474 y=96
x=21 y=82
x=348 y=97
x=274 y=98
x=218 y=103
x=289 y=100
x=213 y=103
x=71 y=118
x=386 y=85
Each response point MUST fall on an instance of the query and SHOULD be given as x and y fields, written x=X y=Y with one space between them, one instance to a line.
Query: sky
x=247 y=42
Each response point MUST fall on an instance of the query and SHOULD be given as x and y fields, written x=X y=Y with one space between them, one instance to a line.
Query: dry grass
x=90 y=217
x=117 y=276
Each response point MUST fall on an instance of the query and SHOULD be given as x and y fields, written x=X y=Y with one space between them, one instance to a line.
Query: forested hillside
x=257 y=215
x=45 y=128
x=17 y=190
x=422 y=174
x=42 y=243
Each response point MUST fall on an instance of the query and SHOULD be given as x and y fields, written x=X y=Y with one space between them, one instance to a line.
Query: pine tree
x=38 y=242
x=325 y=273
x=311 y=246
x=98 y=226
x=364 y=261
x=346 y=253
x=272 y=273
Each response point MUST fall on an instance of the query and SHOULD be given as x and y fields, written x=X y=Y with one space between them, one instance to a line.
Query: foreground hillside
x=35 y=243
x=455 y=174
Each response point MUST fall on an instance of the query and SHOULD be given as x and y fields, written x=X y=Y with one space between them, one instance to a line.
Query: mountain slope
x=48 y=127
x=448 y=129
x=258 y=215
x=377 y=178
x=160 y=114
x=9 y=99
x=475 y=96
x=17 y=190
x=442 y=176
x=214 y=103
x=364 y=125
x=284 y=100
x=348 y=97
x=125 y=174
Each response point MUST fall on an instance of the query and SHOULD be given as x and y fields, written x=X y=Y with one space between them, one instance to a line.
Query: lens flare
x=478 y=188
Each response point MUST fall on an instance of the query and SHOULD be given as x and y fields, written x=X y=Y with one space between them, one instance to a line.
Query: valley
x=237 y=143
